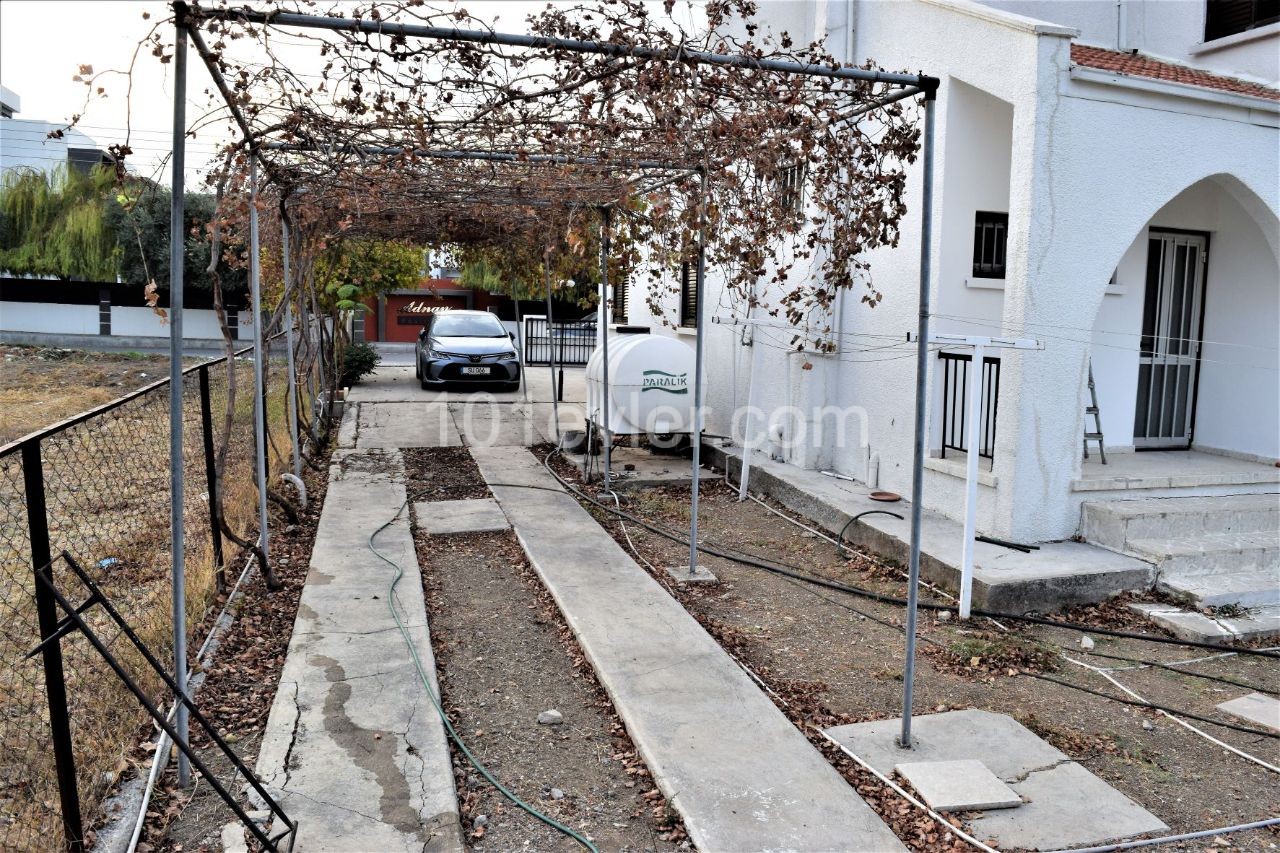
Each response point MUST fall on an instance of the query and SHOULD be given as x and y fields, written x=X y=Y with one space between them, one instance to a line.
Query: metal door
x=1170 y=345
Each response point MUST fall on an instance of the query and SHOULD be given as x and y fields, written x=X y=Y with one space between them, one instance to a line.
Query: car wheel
x=417 y=367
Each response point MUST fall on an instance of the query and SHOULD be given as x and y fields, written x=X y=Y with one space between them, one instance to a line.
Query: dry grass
x=106 y=482
x=40 y=386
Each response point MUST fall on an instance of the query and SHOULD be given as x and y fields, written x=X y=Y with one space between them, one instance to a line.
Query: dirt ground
x=504 y=656
x=40 y=386
x=240 y=685
x=828 y=663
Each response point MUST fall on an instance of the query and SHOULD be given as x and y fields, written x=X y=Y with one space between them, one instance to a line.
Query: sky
x=43 y=43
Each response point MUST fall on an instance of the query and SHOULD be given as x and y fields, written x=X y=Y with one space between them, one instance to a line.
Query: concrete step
x=1211 y=554
x=1257 y=623
x=1246 y=589
x=1116 y=524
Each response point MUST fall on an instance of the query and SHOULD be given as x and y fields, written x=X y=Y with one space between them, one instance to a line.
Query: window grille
x=1227 y=17
x=689 y=295
x=990 y=231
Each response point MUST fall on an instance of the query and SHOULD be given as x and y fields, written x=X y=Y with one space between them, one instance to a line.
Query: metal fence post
x=54 y=682
x=211 y=476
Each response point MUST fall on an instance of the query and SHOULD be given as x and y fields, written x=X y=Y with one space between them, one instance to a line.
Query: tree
x=351 y=270
x=140 y=219
x=56 y=223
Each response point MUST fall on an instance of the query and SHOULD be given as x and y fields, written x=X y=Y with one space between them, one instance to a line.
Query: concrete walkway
x=1058 y=575
x=741 y=775
x=353 y=745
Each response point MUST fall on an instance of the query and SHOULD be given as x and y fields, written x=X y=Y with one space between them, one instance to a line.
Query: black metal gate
x=561 y=342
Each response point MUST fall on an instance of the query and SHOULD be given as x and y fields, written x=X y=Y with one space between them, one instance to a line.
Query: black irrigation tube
x=1135 y=703
x=1271 y=691
x=788 y=571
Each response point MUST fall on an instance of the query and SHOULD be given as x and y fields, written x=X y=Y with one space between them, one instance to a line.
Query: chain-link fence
x=97 y=486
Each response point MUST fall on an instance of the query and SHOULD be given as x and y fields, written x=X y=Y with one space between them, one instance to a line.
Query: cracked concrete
x=1064 y=805
x=353 y=745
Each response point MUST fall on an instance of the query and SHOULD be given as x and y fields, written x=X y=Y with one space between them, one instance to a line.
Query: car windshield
x=467 y=326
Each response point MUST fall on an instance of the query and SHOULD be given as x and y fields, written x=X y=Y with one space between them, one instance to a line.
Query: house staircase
x=1092 y=409
x=1220 y=553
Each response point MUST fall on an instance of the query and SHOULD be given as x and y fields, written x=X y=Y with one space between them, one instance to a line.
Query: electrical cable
x=1170 y=839
x=435 y=700
x=1271 y=691
x=781 y=569
x=1109 y=677
x=1144 y=704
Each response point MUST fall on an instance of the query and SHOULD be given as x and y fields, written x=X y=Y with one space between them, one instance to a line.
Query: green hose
x=435 y=700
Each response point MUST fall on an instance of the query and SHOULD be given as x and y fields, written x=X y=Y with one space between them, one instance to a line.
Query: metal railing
x=97 y=487
x=562 y=342
x=955 y=402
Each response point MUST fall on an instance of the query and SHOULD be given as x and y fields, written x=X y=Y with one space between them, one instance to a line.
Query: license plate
x=475 y=371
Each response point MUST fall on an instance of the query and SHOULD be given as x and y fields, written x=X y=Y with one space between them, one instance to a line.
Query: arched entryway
x=1185 y=348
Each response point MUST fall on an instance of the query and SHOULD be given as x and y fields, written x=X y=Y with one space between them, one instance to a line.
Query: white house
x=1107 y=181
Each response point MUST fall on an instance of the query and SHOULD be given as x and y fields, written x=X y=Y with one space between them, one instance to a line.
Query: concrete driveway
x=393 y=411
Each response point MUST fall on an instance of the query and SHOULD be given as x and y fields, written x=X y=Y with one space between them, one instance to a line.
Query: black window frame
x=993 y=226
x=689 y=295
x=621 y=292
x=1223 y=18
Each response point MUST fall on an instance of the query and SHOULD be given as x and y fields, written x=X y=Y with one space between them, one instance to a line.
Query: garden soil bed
x=830 y=658
x=504 y=656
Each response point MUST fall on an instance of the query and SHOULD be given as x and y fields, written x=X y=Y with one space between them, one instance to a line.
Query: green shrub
x=358 y=361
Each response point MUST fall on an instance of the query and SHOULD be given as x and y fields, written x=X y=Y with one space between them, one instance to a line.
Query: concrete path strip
x=740 y=774
x=353 y=745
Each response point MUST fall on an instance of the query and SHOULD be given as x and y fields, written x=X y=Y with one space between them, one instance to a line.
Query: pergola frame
x=909 y=85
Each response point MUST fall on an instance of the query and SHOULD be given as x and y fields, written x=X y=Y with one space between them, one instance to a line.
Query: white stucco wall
x=46 y=317
x=1087 y=168
x=143 y=322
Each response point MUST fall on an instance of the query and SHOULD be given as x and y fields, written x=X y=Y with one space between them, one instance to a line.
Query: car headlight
x=508 y=354
x=435 y=353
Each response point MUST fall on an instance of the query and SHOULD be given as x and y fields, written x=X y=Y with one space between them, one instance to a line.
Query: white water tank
x=650 y=386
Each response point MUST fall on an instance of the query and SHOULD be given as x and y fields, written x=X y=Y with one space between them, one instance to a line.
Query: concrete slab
x=636 y=467
x=741 y=775
x=397 y=425
x=954 y=786
x=1064 y=805
x=681 y=573
x=1255 y=708
x=1059 y=575
x=1256 y=623
x=353 y=746
x=444 y=518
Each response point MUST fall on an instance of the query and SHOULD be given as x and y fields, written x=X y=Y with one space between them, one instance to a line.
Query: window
x=620 y=288
x=989 y=233
x=689 y=295
x=790 y=180
x=1227 y=17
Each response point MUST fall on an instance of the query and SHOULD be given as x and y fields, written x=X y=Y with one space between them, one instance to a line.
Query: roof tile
x=1136 y=65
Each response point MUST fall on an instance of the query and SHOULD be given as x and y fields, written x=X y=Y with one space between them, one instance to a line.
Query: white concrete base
x=1064 y=805
x=958 y=786
x=1255 y=708
x=445 y=518
x=681 y=574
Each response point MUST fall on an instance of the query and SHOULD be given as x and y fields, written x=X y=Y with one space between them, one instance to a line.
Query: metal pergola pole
x=288 y=330
x=606 y=430
x=922 y=381
x=259 y=357
x=699 y=346
x=177 y=242
x=551 y=346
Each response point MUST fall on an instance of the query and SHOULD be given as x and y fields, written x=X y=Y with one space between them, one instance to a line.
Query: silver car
x=467 y=347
